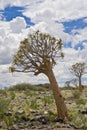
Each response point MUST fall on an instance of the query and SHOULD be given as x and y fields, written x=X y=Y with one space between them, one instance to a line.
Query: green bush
x=3 y=92
x=34 y=104
x=80 y=101
x=4 y=105
x=47 y=100
x=76 y=94
x=25 y=86
x=80 y=121
x=12 y=95
x=21 y=87
x=8 y=122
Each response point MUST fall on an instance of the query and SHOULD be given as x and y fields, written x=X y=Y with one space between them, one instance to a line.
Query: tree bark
x=80 y=85
x=60 y=104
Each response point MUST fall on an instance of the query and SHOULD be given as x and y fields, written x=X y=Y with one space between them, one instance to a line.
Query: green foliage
x=28 y=93
x=80 y=101
x=34 y=105
x=79 y=69
x=80 y=121
x=8 y=121
x=76 y=94
x=21 y=87
x=46 y=100
x=26 y=107
x=4 y=105
x=34 y=51
x=3 y=92
x=36 y=102
x=12 y=95
x=26 y=87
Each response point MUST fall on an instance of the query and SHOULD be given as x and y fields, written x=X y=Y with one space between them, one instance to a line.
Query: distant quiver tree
x=37 y=54
x=79 y=69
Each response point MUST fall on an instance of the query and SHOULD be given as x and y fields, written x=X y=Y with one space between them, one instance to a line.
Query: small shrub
x=80 y=101
x=80 y=121
x=8 y=121
x=3 y=92
x=12 y=95
x=21 y=87
x=76 y=94
x=34 y=104
x=47 y=100
x=4 y=105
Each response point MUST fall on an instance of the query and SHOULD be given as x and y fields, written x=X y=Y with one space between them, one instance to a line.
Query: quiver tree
x=37 y=54
x=79 y=69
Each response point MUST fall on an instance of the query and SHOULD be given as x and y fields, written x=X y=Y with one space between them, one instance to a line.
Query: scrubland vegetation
x=26 y=106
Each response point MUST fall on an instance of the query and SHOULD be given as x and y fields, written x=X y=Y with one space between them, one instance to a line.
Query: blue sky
x=58 y=18
x=11 y=12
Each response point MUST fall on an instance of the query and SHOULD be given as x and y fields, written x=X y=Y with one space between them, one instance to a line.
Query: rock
x=0 y=125
x=43 y=127
x=73 y=126
x=66 y=126
x=20 y=112
x=33 y=111
x=8 y=113
x=24 y=118
x=15 y=127
x=21 y=125
x=38 y=97
x=45 y=112
x=83 y=112
x=43 y=119
x=32 y=120
x=59 y=120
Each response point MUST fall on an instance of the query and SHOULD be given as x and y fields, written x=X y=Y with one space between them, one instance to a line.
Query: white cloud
x=61 y=10
x=44 y=14
x=4 y=3
x=17 y=25
x=7 y=79
x=79 y=37
x=11 y=33
x=85 y=20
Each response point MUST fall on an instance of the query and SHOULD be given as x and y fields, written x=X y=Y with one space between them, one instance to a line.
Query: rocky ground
x=34 y=108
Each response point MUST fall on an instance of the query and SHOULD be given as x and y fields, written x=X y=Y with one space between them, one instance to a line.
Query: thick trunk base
x=60 y=104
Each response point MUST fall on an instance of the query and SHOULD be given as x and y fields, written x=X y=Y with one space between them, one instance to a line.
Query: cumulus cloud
x=4 y=3
x=79 y=37
x=17 y=25
x=7 y=79
x=85 y=20
x=61 y=10
x=48 y=17
x=11 y=33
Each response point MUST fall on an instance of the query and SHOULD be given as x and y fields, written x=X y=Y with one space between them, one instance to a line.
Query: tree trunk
x=61 y=106
x=80 y=85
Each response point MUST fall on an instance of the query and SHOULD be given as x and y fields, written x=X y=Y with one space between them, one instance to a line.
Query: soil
x=57 y=129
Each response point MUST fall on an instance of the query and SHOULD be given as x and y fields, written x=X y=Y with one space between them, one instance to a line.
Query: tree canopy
x=78 y=69
x=35 y=52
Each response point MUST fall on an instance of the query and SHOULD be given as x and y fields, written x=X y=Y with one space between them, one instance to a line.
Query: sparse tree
x=37 y=54
x=71 y=82
x=67 y=84
x=79 y=69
